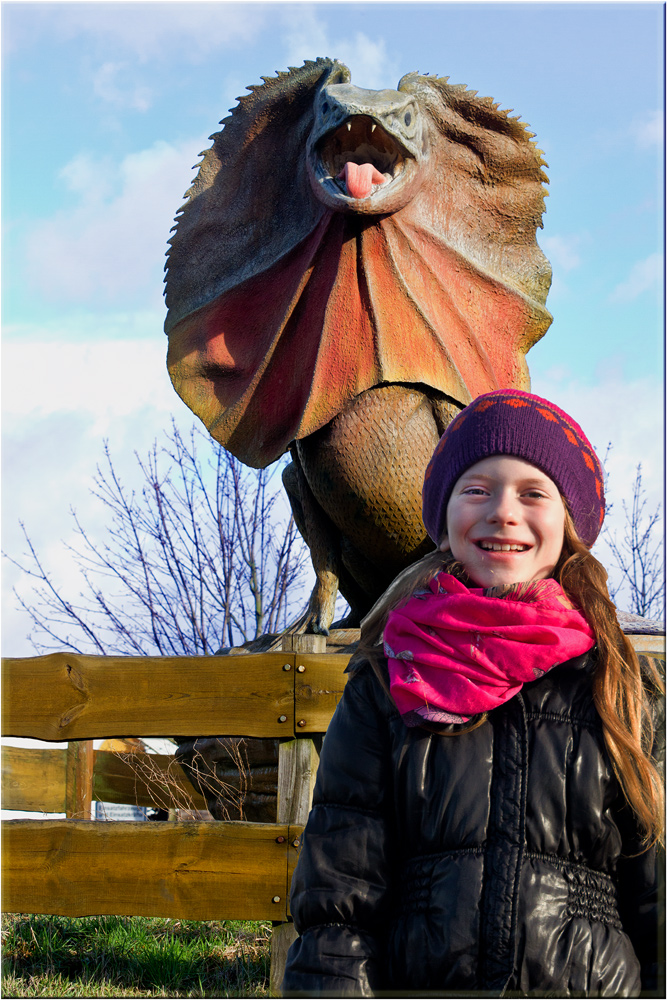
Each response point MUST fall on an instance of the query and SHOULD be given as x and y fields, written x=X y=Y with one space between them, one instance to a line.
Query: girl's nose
x=503 y=509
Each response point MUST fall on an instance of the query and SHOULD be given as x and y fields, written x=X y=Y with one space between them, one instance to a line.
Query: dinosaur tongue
x=360 y=178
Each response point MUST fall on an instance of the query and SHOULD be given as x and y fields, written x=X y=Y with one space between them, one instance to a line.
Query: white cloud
x=368 y=61
x=109 y=248
x=99 y=380
x=562 y=251
x=88 y=177
x=122 y=325
x=144 y=30
x=629 y=414
x=649 y=130
x=113 y=84
x=307 y=37
x=644 y=275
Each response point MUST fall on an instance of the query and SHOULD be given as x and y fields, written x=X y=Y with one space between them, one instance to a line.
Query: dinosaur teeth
x=349 y=126
x=373 y=127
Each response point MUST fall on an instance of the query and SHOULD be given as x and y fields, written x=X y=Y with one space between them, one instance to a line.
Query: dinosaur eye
x=408 y=118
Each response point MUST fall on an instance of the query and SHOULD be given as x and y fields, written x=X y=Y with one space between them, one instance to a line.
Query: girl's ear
x=444 y=544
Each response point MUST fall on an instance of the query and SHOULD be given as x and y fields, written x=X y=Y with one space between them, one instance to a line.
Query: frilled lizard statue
x=349 y=269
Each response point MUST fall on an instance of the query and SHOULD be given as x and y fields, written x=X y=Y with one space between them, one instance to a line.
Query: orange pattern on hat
x=547 y=414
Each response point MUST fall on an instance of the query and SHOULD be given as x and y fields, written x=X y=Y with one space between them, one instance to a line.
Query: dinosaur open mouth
x=360 y=155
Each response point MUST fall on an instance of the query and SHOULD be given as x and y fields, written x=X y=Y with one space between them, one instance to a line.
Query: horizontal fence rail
x=95 y=697
x=35 y=780
x=186 y=870
x=190 y=871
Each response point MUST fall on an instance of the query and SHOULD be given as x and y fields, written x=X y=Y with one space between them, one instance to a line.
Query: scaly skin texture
x=356 y=498
x=351 y=267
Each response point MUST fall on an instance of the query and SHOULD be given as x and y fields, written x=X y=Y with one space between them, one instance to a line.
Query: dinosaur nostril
x=325 y=108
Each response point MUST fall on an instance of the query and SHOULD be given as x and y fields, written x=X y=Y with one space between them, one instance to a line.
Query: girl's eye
x=474 y=491
x=536 y=495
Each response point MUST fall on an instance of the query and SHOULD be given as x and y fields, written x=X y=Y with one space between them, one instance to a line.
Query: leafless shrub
x=198 y=558
x=229 y=795
x=166 y=789
x=639 y=555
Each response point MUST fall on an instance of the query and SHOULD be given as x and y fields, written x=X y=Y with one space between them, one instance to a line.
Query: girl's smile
x=505 y=522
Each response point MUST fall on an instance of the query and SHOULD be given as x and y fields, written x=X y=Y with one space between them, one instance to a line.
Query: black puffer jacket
x=498 y=860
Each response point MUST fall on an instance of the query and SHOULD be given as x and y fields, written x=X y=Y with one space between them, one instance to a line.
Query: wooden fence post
x=297 y=767
x=79 y=781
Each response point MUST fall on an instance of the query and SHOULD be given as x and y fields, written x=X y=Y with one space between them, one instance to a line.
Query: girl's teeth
x=502 y=548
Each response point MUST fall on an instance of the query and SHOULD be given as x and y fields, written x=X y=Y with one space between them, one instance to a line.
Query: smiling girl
x=488 y=804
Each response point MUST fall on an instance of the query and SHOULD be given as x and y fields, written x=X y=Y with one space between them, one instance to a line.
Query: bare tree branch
x=639 y=555
x=195 y=559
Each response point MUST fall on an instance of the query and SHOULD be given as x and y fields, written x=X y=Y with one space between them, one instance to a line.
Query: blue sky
x=105 y=107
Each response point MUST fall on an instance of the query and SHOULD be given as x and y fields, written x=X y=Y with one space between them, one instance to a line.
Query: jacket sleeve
x=641 y=884
x=341 y=886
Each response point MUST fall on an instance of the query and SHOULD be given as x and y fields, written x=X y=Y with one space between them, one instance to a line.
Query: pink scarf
x=453 y=653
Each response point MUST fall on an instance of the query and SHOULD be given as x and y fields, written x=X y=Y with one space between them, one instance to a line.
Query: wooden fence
x=190 y=870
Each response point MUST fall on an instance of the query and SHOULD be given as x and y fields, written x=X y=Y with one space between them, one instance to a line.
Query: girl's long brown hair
x=622 y=690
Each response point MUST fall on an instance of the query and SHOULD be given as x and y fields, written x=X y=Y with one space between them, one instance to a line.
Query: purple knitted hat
x=511 y=422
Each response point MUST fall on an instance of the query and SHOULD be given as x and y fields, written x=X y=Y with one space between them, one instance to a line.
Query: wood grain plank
x=79 y=779
x=297 y=766
x=282 y=936
x=85 y=697
x=190 y=871
x=33 y=780
x=652 y=645
x=297 y=769
x=318 y=689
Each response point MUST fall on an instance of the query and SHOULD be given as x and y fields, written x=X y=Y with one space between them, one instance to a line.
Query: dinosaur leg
x=444 y=411
x=365 y=470
x=353 y=593
x=291 y=482
x=355 y=490
x=328 y=551
x=323 y=540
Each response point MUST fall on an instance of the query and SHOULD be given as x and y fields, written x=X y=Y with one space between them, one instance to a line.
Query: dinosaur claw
x=309 y=623
x=315 y=628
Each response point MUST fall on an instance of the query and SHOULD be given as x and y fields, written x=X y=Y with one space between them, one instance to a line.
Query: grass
x=51 y=956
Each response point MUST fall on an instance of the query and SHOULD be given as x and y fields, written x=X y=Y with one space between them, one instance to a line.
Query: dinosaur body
x=349 y=269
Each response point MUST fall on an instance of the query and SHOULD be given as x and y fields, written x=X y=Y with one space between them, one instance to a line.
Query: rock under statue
x=349 y=269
